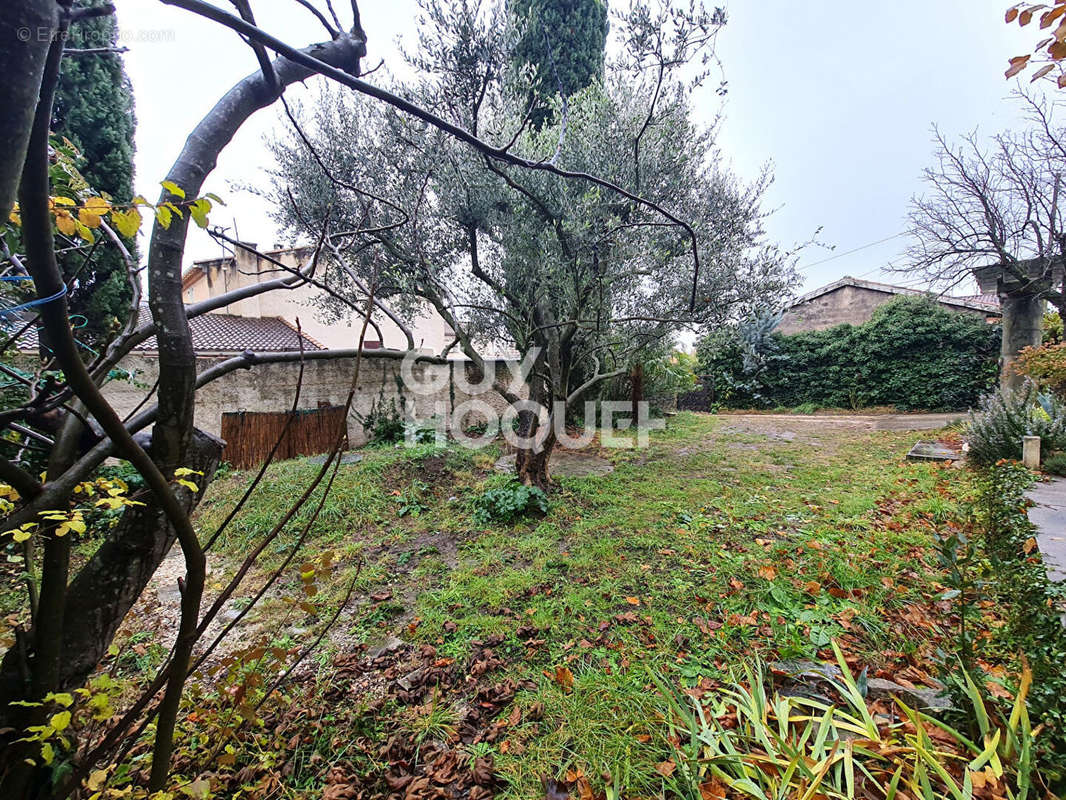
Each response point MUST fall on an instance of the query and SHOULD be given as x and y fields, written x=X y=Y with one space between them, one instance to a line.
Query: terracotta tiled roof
x=988 y=299
x=222 y=333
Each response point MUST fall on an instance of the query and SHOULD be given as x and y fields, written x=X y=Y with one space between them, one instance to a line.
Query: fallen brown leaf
x=665 y=768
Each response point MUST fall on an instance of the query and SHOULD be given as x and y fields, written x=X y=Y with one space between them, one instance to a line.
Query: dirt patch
x=567 y=464
x=158 y=611
x=432 y=470
x=768 y=432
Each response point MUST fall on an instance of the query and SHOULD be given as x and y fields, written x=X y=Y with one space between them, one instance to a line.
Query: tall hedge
x=913 y=354
x=94 y=110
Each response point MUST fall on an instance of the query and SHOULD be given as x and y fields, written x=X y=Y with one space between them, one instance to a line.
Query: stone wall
x=271 y=387
x=853 y=305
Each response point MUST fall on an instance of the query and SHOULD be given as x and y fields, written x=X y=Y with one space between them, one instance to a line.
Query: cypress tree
x=564 y=40
x=94 y=110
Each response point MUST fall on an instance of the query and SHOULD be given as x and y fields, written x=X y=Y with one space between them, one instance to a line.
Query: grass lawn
x=528 y=650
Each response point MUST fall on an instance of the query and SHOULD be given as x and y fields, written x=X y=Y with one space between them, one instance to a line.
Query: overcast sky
x=840 y=100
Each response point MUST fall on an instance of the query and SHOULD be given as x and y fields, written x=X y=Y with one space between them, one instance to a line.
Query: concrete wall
x=853 y=305
x=271 y=387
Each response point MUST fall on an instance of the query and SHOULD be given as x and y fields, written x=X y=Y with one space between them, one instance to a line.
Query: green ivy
x=912 y=354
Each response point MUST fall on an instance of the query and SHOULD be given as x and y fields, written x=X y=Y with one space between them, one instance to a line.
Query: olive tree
x=578 y=279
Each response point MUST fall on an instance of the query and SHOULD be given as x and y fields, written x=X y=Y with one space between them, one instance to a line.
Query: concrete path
x=1049 y=516
x=873 y=422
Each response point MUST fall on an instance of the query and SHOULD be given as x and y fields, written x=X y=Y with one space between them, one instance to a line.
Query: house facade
x=212 y=277
x=853 y=301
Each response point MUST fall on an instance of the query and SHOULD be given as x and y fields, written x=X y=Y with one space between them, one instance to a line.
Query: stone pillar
x=1031 y=451
x=1023 y=319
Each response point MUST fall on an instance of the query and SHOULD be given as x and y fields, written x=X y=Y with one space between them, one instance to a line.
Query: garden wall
x=271 y=387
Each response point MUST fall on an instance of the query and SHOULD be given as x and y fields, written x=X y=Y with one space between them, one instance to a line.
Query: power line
x=849 y=252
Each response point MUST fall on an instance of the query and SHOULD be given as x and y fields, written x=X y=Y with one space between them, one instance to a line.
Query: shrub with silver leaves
x=1005 y=416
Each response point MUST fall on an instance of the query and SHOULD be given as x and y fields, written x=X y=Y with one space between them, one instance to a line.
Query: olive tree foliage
x=578 y=279
x=74 y=607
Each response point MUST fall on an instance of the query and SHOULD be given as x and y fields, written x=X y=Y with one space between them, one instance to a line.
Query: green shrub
x=1005 y=416
x=666 y=374
x=1052 y=328
x=912 y=354
x=507 y=502
x=1055 y=464
x=384 y=423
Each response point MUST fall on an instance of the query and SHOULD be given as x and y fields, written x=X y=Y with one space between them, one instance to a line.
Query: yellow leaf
x=48 y=754
x=60 y=721
x=64 y=699
x=564 y=677
x=199 y=789
x=1030 y=545
x=66 y=224
x=84 y=231
x=633 y=601
x=97 y=205
x=63 y=201
x=173 y=188
x=88 y=218
x=127 y=223
x=20 y=535
x=192 y=487
x=95 y=781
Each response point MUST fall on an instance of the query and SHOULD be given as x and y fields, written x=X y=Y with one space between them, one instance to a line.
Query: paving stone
x=1048 y=514
x=928 y=700
x=391 y=643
